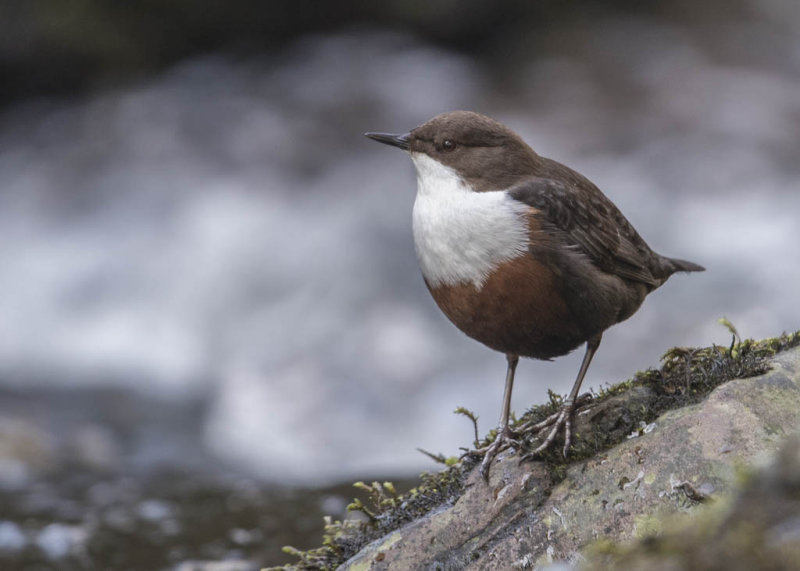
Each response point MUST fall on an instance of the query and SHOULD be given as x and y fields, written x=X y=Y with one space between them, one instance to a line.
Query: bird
x=522 y=253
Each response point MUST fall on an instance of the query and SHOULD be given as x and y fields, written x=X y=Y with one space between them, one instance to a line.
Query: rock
x=96 y=447
x=217 y=566
x=25 y=448
x=757 y=528
x=534 y=513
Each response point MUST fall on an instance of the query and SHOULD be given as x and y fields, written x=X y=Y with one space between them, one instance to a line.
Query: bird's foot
x=555 y=422
x=506 y=438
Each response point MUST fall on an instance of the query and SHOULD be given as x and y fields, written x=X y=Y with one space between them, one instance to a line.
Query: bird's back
x=594 y=224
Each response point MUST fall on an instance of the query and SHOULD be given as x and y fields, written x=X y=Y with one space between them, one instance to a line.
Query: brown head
x=484 y=152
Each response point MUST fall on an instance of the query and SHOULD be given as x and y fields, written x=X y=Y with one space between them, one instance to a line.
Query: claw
x=559 y=420
x=506 y=438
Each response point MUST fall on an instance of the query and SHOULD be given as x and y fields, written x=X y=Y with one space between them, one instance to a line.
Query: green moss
x=685 y=377
x=388 y=511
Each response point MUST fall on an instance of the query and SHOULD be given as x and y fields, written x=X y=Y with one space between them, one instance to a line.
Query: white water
x=226 y=230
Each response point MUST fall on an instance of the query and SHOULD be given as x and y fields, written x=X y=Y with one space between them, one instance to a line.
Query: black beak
x=400 y=141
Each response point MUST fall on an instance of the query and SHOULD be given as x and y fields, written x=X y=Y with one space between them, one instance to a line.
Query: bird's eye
x=448 y=145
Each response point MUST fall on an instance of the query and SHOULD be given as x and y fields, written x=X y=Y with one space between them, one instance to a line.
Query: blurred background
x=211 y=313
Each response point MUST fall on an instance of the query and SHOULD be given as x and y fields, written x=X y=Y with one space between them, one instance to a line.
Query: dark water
x=221 y=238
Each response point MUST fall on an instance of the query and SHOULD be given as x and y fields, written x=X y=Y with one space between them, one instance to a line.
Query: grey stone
x=526 y=518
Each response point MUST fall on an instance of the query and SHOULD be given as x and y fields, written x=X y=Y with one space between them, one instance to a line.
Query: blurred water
x=225 y=232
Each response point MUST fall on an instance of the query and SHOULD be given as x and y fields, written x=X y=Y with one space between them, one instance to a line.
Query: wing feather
x=588 y=220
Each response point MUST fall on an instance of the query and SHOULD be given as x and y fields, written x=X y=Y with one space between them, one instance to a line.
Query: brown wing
x=588 y=220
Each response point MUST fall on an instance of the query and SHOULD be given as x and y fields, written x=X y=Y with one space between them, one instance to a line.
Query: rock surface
x=757 y=528
x=530 y=515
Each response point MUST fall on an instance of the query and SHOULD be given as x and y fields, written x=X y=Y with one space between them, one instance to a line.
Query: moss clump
x=388 y=511
x=685 y=377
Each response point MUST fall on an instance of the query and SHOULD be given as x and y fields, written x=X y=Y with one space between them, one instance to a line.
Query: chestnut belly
x=524 y=308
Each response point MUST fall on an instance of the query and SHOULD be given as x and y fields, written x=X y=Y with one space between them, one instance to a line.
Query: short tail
x=674 y=265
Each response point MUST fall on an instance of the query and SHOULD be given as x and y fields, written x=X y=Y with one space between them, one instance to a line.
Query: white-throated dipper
x=522 y=253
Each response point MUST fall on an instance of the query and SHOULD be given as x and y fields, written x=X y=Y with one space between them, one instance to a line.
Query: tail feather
x=675 y=265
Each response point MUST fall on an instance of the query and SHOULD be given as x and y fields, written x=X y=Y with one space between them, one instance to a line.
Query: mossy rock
x=668 y=441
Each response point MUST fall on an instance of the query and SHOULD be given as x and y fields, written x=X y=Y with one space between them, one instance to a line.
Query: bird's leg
x=505 y=435
x=563 y=418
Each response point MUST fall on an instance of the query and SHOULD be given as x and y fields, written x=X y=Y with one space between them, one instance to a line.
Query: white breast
x=461 y=235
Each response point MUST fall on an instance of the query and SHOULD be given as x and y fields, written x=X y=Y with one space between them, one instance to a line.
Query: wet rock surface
x=530 y=515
